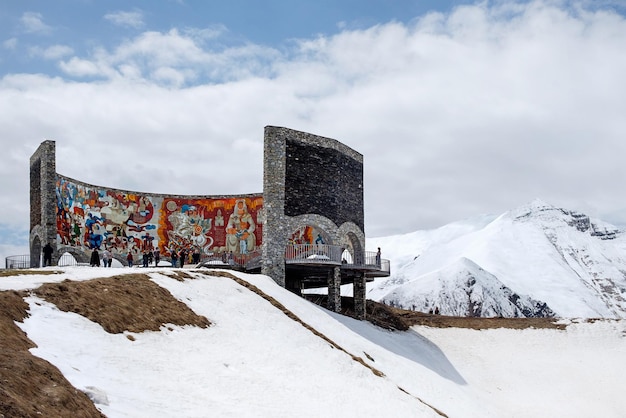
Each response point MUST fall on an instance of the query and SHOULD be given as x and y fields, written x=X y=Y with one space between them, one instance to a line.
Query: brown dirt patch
x=30 y=386
x=442 y=321
x=21 y=272
x=388 y=317
x=128 y=302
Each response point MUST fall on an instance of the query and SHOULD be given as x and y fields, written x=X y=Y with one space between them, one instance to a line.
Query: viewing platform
x=334 y=255
x=309 y=256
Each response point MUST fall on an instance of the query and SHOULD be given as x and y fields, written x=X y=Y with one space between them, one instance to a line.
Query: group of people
x=107 y=258
x=184 y=256
x=148 y=257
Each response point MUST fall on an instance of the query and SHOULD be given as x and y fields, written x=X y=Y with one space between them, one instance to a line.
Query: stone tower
x=42 y=201
x=318 y=181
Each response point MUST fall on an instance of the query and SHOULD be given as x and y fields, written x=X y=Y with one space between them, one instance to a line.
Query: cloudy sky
x=459 y=108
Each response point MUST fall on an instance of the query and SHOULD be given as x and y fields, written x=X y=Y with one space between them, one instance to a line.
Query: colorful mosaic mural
x=92 y=218
x=215 y=225
x=306 y=235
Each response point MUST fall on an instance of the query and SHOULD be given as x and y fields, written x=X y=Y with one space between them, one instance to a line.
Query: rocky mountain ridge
x=534 y=261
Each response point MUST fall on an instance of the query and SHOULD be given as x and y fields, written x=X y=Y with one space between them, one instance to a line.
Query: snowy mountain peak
x=539 y=204
x=463 y=288
x=532 y=260
x=533 y=208
x=549 y=217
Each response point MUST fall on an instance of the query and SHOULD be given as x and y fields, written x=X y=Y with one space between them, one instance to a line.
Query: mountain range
x=534 y=261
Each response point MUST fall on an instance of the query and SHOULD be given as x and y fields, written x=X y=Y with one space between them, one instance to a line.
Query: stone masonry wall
x=323 y=181
x=42 y=200
x=308 y=179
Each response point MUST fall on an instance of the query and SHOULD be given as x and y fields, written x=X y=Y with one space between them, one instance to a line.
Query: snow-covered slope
x=255 y=361
x=465 y=289
x=536 y=260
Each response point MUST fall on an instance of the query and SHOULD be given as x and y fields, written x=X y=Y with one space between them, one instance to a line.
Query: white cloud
x=10 y=43
x=53 y=52
x=32 y=22
x=132 y=19
x=81 y=68
x=181 y=56
x=208 y=33
x=171 y=76
x=475 y=111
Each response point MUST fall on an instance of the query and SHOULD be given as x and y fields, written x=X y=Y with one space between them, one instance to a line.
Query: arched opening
x=78 y=254
x=311 y=254
x=309 y=234
x=77 y=258
x=311 y=244
x=35 y=252
x=352 y=253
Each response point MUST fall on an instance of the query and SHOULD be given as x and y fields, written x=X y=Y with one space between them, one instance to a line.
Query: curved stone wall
x=312 y=185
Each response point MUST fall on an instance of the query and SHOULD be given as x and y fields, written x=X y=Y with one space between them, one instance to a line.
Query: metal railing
x=24 y=261
x=334 y=254
x=17 y=262
x=294 y=254
x=248 y=261
x=313 y=254
x=385 y=266
x=369 y=260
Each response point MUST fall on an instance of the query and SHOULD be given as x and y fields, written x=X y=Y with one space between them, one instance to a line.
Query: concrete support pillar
x=334 y=290
x=359 y=297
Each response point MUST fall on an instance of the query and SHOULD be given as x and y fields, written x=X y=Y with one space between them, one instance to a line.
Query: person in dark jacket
x=174 y=257
x=183 y=256
x=95 y=258
x=47 y=255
